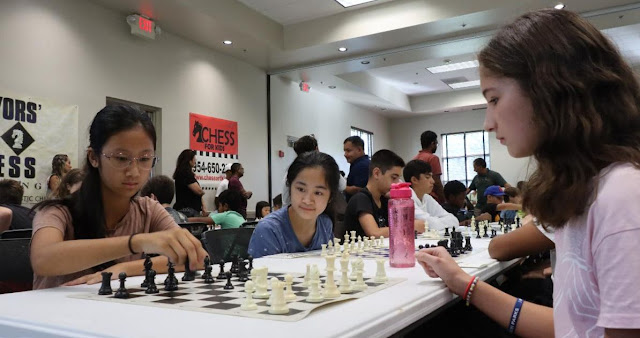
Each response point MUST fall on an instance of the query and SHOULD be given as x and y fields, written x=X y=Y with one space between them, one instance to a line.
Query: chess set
x=250 y=292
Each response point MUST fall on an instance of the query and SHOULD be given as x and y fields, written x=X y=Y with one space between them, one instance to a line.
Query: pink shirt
x=145 y=215
x=597 y=274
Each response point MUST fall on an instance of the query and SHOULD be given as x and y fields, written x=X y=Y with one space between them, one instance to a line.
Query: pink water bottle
x=401 y=229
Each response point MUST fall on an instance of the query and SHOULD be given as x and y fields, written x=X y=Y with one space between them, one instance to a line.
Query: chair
x=15 y=267
x=17 y=233
x=249 y=224
x=196 y=228
x=226 y=243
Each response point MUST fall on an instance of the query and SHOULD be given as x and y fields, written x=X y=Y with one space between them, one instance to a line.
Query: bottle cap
x=400 y=190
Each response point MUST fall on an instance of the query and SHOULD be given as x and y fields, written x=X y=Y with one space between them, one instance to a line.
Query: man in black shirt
x=12 y=214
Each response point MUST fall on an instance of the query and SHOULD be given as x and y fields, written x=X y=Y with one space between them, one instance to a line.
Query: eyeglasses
x=121 y=161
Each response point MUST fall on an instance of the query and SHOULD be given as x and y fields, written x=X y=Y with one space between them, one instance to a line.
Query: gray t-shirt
x=480 y=183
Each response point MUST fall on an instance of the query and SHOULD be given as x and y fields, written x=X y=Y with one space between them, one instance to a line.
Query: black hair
x=85 y=205
x=277 y=201
x=415 y=168
x=453 y=188
x=11 y=192
x=480 y=162
x=161 y=186
x=183 y=167
x=427 y=138
x=304 y=144
x=357 y=141
x=384 y=160
x=69 y=179
x=235 y=167
x=331 y=174
x=259 y=207
x=232 y=198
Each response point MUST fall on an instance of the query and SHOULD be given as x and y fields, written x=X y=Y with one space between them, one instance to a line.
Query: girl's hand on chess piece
x=177 y=244
x=437 y=262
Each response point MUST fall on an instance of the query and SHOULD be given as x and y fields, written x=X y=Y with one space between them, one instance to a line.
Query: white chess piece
x=346 y=238
x=323 y=253
x=315 y=296
x=330 y=262
x=354 y=269
x=307 y=276
x=330 y=288
x=374 y=243
x=278 y=302
x=381 y=275
x=382 y=242
x=289 y=295
x=360 y=284
x=330 y=248
x=249 y=304
x=345 y=284
x=261 y=283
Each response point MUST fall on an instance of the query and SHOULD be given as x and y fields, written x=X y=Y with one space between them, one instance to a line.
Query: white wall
x=330 y=119
x=406 y=140
x=75 y=52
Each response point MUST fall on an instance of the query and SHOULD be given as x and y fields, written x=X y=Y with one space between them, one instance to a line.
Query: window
x=458 y=152
x=367 y=137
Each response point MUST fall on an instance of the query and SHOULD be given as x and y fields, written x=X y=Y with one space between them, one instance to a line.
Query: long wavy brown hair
x=585 y=100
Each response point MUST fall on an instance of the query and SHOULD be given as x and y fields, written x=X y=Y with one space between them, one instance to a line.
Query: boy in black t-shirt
x=367 y=211
x=495 y=204
x=455 y=194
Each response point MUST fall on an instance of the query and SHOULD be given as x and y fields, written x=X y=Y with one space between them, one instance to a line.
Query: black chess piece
x=446 y=232
x=171 y=282
x=188 y=274
x=207 y=275
x=420 y=246
x=151 y=287
x=242 y=271
x=234 y=264
x=221 y=275
x=105 y=288
x=122 y=291
x=415 y=235
x=467 y=244
x=228 y=286
x=444 y=243
x=486 y=231
x=493 y=233
x=517 y=222
x=478 y=232
x=147 y=266
x=250 y=259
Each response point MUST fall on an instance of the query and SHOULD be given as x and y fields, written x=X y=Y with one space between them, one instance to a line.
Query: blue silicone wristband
x=514 y=315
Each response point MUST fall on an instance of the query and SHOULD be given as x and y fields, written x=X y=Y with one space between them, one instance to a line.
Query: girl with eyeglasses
x=103 y=226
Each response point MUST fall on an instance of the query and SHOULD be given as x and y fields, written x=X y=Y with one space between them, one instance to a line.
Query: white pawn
x=381 y=275
x=346 y=238
x=278 y=303
x=249 y=304
x=330 y=248
x=374 y=243
x=323 y=253
x=289 y=295
x=315 y=296
x=307 y=276
x=382 y=242
x=336 y=242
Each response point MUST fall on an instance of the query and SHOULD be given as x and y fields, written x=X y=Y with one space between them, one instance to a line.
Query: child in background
x=455 y=201
x=495 y=204
x=70 y=183
x=367 y=211
x=511 y=195
x=262 y=210
x=104 y=221
x=277 y=202
x=558 y=90
x=160 y=188
x=307 y=222
x=229 y=206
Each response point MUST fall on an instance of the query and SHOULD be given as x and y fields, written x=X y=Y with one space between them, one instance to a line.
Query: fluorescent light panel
x=467 y=84
x=349 y=3
x=453 y=66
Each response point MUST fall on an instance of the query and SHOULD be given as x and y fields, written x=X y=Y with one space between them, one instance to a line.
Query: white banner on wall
x=33 y=131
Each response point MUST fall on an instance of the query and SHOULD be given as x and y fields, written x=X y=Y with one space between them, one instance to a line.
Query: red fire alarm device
x=304 y=87
x=143 y=27
x=280 y=153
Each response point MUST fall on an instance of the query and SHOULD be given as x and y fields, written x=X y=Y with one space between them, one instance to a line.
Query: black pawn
x=243 y=276
x=228 y=286
x=234 y=264
x=188 y=274
x=151 y=287
x=420 y=246
x=250 y=258
x=221 y=275
x=122 y=291
x=105 y=288
x=207 y=275
x=478 y=232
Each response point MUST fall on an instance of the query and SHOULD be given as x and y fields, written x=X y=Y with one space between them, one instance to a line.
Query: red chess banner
x=213 y=135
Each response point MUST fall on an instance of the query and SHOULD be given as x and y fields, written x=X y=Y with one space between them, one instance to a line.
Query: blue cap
x=494 y=190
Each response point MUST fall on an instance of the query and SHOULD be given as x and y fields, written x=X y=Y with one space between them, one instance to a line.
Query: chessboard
x=213 y=298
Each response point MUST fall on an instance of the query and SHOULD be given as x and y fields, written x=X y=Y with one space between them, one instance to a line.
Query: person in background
x=277 y=203
x=224 y=185
x=60 y=165
x=237 y=171
x=189 y=193
x=359 y=169
x=429 y=143
x=495 y=204
x=70 y=183
x=455 y=202
x=484 y=179
x=13 y=215
x=229 y=206
x=160 y=188
x=262 y=210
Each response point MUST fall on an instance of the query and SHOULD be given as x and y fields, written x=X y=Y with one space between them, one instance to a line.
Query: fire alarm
x=280 y=153
x=304 y=87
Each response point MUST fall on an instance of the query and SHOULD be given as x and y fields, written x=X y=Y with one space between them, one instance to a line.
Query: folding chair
x=18 y=233
x=226 y=243
x=196 y=228
x=15 y=267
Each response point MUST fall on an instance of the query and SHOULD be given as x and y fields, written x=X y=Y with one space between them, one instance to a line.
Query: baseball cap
x=494 y=190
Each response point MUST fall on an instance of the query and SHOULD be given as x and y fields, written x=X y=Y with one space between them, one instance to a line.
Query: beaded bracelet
x=473 y=286
x=466 y=291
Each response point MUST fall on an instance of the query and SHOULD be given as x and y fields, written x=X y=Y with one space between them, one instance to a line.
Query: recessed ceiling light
x=364 y=62
x=227 y=42
x=465 y=84
x=349 y=3
x=332 y=87
x=449 y=67
x=560 y=5
x=342 y=49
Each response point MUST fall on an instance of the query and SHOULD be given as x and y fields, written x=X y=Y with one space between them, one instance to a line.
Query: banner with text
x=216 y=144
x=33 y=131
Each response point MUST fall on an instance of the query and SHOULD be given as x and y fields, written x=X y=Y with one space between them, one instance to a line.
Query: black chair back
x=196 y=228
x=226 y=243
x=15 y=267
x=18 y=233
x=249 y=224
